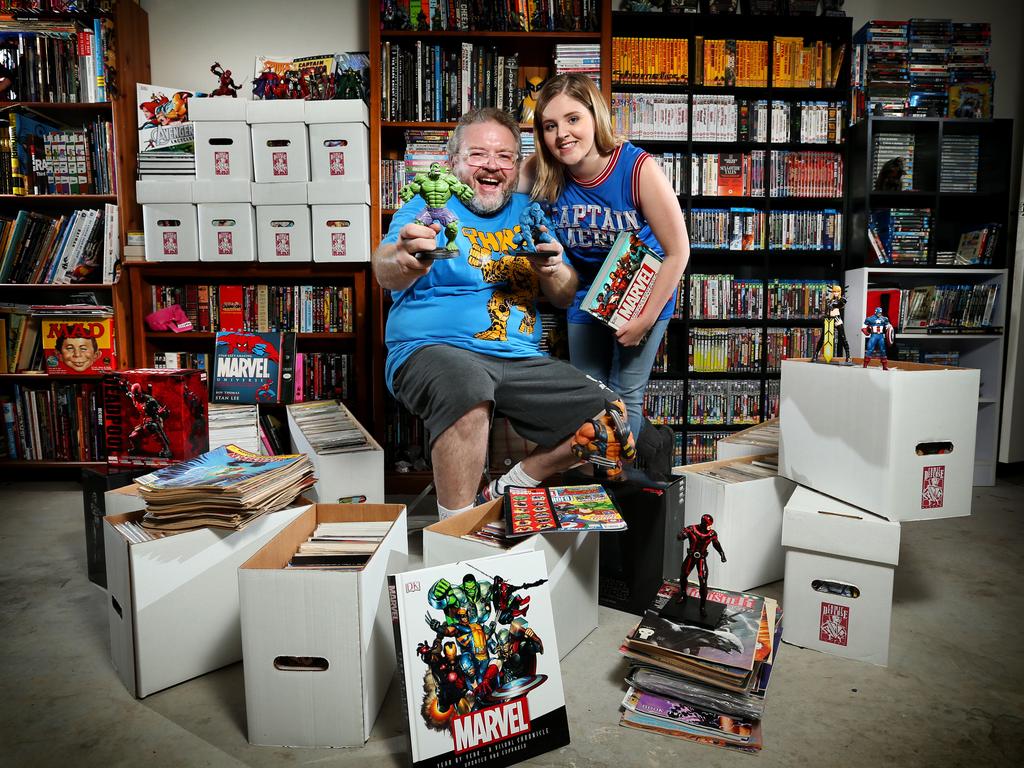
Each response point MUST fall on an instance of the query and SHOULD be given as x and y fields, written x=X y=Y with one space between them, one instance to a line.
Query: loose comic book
x=163 y=118
x=623 y=284
x=275 y=77
x=79 y=344
x=478 y=662
x=223 y=467
x=560 y=508
x=154 y=417
x=253 y=367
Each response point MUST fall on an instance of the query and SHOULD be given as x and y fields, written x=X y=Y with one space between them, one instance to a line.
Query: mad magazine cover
x=252 y=367
x=731 y=641
x=560 y=508
x=154 y=417
x=478 y=662
x=83 y=344
x=623 y=284
x=163 y=118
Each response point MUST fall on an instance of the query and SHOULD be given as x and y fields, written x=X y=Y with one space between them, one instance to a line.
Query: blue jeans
x=594 y=350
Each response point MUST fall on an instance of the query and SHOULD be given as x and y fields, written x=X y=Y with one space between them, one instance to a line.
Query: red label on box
x=224 y=245
x=170 y=243
x=337 y=163
x=933 y=486
x=835 y=624
x=282 y=244
x=280 y=163
x=222 y=163
x=337 y=244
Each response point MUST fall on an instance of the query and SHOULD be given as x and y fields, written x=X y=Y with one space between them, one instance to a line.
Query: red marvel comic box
x=155 y=416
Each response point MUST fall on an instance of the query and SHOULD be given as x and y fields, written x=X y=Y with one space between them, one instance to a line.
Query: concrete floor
x=951 y=696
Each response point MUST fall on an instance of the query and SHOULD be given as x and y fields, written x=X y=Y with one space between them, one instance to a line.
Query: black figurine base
x=438 y=254
x=689 y=612
x=834 y=361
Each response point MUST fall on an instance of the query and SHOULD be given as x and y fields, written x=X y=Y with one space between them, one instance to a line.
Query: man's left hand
x=633 y=332
x=547 y=261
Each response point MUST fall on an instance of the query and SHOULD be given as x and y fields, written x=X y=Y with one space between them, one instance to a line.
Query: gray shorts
x=545 y=399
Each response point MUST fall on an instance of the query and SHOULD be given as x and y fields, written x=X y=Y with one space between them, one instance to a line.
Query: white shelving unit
x=983 y=351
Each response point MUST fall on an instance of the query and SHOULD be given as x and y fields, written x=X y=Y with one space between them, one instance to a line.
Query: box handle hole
x=338 y=223
x=301 y=663
x=279 y=142
x=282 y=223
x=936 y=448
x=335 y=143
x=223 y=222
x=117 y=607
x=225 y=142
x=168 y=222
x=835 y=588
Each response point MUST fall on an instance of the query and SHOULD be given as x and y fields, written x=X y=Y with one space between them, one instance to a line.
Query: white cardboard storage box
x=338 y=620
x=171 y=231
x=748 y=519
x=280 y=152
x=206 y=108
x=338 y=151
x=335 y=191
x=282 y=233
x=223 y=151
x=276 y=110
x=571 y=558
x=284 y=193
x=227 y=232
x=761 y=438
x=341 y=233
x=337 y=111
x=173 y=602
x=222 y=191
x=840 y=563
x=174 y=189
x=342 y=475
x=897 y=443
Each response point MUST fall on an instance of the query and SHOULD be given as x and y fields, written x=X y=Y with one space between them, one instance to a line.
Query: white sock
x=516 y=476
x=444 y=512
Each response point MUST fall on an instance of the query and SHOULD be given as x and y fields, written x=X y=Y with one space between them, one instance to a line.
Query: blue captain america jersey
x=590 y=214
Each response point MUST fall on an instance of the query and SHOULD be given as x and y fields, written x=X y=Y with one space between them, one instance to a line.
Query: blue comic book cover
x=248 y=367
x=478 y=661
x=222 y=467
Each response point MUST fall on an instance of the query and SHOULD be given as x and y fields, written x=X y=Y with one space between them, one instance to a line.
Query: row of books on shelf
x=650 y=60
x=806 y=174
x=726 y=297
x=900 y=235
x=302 y=308
x=952 y=306
x=46 y=158
x=892 y=162
x=56 y=60
x=700 y=447
x=746 y=174
x=699 y=402
x=958 y=163
x=57 y=338
x=500 y=16
x=740 y=350
x=440 y=83
x=743 y=229
x=912 y=353
x=77 y=247
x=62 y=421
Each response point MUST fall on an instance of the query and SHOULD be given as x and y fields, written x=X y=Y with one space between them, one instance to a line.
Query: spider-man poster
x=253 y=367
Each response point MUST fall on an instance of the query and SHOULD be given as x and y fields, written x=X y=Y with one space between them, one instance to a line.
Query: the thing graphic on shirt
x=591 y=226
x=519 y=287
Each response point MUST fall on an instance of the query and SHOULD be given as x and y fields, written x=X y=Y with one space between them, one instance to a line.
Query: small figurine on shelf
x=529 y=103
x=533 y=228
x=227 y=86
x=436 y=187
x=890 y=177
x=698 y=538
x=832 y=332
x=879 y=331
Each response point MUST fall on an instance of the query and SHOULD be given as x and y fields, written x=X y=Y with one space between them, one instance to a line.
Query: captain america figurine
x=880 y=333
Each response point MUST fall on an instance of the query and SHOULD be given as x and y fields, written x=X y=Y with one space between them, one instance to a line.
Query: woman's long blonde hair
x=550 y=173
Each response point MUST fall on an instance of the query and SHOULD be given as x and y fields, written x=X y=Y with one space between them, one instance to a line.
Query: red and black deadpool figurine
x=698 y=537
x=152 y=414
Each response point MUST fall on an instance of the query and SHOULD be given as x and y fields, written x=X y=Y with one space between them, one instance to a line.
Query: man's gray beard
x=483 y=209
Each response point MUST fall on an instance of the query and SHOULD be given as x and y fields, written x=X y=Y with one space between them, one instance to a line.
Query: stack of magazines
x=345 y=546
x=227 y=487
x=328 y=426
x=703 y=680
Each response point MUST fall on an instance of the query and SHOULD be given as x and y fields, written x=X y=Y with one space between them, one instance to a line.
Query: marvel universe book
x=560 y=508
x=253 y=367
x=623 y=284
x=478 y=662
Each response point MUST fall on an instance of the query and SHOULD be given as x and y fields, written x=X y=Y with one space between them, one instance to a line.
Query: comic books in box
x=253 y=367
x=571 y=508
x=623 y=285
x=78 y=344
x=154 y=417
x=163 y=119
x=478 y=662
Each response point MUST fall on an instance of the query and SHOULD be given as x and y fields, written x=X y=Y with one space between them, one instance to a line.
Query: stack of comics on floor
x=702 y=678
x=227 y=487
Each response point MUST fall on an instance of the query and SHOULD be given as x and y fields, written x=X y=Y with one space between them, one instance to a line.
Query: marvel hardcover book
x=478 y=662
x=623 y=285
x=253 y=367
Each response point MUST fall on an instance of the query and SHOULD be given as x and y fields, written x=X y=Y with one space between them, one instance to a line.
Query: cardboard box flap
x=819 y=523
x=337 y=111
x=207 y=108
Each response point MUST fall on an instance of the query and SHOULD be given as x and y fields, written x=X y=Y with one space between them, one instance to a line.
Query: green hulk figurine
x=436 y=187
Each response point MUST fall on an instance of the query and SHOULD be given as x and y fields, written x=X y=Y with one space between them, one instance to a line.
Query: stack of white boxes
x=277 y=181
x=872 y=448
x=339 y=189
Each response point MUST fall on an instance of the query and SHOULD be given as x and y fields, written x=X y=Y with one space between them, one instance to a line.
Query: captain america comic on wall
x=478 y=661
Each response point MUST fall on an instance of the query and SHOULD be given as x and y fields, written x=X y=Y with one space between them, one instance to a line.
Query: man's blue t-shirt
x=481 y=300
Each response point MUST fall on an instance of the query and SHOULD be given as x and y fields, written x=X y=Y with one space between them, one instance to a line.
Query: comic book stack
x=705 y=680
x=227 y=488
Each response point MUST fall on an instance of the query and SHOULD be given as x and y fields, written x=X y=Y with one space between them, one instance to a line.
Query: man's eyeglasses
x=478 y=159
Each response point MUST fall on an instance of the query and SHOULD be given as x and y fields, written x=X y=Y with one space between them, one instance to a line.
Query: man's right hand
x=415 y=238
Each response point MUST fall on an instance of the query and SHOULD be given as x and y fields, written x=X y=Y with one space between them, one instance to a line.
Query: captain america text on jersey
x=587 y=226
